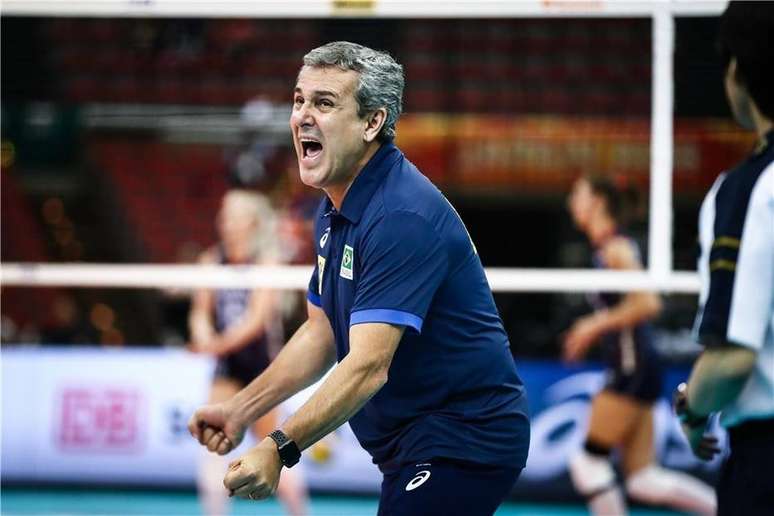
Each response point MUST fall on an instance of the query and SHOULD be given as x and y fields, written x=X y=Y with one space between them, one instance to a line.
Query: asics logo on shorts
x=418 y=480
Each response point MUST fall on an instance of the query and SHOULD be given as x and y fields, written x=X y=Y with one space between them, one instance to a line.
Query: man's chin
x=313 y=178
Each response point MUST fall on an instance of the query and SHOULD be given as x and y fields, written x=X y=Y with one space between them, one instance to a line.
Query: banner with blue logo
x=560 y=403
x=88 y=415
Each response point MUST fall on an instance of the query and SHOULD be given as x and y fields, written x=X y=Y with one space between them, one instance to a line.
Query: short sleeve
x=403 y=262
x=313 y=292
x=740 y=300
x=752 y=302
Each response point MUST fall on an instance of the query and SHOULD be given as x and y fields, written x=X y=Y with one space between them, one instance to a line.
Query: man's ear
x=374 y=123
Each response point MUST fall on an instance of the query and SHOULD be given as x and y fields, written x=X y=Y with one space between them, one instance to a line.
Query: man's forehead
x=331 y=79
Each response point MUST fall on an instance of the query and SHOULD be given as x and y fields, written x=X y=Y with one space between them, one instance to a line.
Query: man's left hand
x=704 y=446
x=256 y=474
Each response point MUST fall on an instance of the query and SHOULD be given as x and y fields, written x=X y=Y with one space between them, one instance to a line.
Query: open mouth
x=311 y=148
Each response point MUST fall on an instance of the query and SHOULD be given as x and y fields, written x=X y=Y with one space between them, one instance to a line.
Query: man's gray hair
x=381 y=79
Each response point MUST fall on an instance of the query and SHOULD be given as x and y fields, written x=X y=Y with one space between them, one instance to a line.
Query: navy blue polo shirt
x=398 y=253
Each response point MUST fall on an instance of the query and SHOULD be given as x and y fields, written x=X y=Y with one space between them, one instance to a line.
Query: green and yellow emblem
x=347 y=259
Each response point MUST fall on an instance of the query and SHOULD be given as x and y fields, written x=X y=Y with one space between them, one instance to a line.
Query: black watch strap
x=289 y=453
x=684 y=412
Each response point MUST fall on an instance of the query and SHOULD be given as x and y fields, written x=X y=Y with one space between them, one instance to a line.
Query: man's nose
x=302 y=117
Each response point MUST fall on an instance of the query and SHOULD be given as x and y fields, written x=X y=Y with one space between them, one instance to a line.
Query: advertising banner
x=104 y=416
x=559 y=399
x=89 y=415
x=544 y=154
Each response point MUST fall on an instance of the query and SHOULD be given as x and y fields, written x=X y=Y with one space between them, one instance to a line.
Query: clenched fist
x=217 y=427
x=256 y=474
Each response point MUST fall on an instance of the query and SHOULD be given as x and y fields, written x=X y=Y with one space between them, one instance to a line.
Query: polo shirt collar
x=366 y=183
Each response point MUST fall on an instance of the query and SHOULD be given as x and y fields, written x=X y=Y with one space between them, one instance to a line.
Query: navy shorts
x=446 y=486
x=637 y=373
x=244 y=365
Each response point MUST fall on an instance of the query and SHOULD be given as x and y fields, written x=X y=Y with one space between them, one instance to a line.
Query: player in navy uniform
x=399 y=299
x=238 y=327
x=735 y=373
x=622 y=413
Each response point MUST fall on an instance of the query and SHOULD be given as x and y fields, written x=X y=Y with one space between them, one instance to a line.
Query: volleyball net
x=504 y=100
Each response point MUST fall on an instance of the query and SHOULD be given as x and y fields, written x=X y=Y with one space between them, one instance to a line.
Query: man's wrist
x=683 y=410
x=237 y=410
x=287 y=448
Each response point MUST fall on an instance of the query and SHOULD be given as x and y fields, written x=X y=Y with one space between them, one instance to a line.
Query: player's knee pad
x=652 y=484
x=591 y=474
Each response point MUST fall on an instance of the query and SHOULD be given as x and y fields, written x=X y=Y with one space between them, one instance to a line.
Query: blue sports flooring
x=62 y=502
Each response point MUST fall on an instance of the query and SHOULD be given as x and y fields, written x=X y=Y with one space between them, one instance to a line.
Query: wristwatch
x=286 y=447
x=683 y=411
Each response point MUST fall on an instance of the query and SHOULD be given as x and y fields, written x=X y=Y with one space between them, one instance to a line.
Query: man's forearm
x=718 y=377
x=303 y=361
x=350 y=385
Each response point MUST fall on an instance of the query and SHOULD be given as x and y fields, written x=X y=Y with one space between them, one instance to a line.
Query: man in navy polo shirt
x=399 y=298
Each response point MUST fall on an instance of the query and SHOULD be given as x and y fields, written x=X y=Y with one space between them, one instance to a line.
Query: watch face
x=288 y=450
x=289 y=454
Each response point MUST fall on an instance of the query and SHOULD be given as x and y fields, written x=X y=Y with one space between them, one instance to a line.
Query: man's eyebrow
x=319 y=93
x=322 y=93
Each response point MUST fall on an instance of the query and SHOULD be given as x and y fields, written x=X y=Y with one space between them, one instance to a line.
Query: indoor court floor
x=63 y=502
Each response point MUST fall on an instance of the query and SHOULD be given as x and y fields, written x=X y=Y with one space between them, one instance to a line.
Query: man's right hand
x=217 y=427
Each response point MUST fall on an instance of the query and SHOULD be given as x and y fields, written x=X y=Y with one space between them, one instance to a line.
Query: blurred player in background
x=622 y=413
x=735 y=373
x=239 y=327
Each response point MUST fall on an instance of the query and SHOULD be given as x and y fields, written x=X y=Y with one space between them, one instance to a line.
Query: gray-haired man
x=424 y=375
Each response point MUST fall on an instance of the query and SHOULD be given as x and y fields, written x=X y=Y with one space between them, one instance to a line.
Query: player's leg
x=592 y=474
x=648 y=482
x=448 y=487
x=212 y=467
x=292 y=488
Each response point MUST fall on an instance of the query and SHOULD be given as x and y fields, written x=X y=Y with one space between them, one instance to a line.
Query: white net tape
x=297 y=278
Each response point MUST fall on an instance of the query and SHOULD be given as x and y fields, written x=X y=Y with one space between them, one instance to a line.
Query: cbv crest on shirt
x=347 y=260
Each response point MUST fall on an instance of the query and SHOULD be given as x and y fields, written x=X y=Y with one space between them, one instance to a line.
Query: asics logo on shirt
x=418 y=480
x=324 y=238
